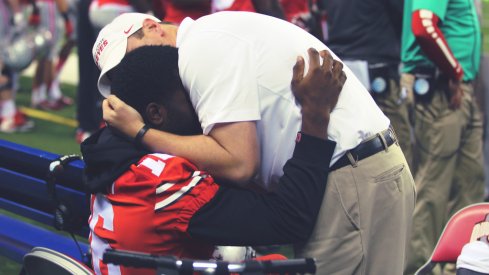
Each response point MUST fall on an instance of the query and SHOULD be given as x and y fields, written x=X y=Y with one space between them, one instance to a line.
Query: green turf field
x=47 y=135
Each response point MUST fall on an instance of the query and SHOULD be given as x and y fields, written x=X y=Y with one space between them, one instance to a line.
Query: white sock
x=54 y=91
x=7 y=108
x=38 y=95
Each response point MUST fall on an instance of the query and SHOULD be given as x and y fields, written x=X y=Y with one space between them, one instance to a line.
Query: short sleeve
x=219 y=76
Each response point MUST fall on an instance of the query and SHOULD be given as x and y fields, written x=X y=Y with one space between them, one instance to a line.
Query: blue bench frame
x=23 y=192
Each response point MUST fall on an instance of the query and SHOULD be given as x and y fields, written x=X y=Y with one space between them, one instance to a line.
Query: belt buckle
x=392 y=135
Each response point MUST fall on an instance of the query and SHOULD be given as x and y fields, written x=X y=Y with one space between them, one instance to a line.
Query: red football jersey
x=148 y=209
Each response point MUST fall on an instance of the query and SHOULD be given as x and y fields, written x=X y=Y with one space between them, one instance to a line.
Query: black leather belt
x=367 y=148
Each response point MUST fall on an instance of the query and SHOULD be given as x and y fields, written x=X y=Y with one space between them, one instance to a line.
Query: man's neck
x=172 y=34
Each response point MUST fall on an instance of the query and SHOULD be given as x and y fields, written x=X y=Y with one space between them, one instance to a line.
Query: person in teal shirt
x=440 y=52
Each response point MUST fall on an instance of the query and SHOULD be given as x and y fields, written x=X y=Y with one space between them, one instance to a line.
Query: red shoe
x=43 y=105
x=55 y=105
x=16 y=123
x=61 y=102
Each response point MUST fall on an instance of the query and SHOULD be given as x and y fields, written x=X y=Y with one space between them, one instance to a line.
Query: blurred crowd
x=45 y=32
x=421 y=75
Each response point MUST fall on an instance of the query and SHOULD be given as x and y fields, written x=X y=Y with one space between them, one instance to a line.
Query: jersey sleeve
x=219 y=77
x=433 y=42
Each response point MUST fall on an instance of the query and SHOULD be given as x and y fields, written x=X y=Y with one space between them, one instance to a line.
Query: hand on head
x=121 y=116
x=456 y=94
x=317 y=91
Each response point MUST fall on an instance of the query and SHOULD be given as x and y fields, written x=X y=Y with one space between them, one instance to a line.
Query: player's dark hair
x=147 y=74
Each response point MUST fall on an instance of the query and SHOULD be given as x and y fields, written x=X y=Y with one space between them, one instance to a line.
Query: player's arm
x=242 y=217
x=430 y=38
x=230 y=151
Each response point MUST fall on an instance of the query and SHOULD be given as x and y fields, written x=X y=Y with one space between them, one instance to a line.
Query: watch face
x=421 y=86
x=378 y=85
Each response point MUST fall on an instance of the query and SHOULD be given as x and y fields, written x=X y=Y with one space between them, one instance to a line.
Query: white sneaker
x=16 y=123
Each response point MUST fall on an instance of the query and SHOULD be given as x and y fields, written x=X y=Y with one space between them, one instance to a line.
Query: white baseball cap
x=111 y=44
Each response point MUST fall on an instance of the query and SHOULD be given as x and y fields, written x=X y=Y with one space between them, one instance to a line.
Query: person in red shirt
x=163 y=205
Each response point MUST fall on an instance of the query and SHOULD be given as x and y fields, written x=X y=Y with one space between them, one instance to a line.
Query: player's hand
x=121 y=116
x=317 y=91
x=456 y=93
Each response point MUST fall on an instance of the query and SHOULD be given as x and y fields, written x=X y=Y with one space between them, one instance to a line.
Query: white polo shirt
x=237 y=66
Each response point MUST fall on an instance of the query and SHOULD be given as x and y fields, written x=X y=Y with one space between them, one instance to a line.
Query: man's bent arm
x=230 y=152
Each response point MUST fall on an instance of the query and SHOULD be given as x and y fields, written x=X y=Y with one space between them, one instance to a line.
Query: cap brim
x=114 y=58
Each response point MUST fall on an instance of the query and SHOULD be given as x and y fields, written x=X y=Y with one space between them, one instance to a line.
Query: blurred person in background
x=268 y=7
x=11 y=119
x=88 y=99
x=176 y=10
x=367 y=36
x=64 y=53
x=441 y=47
x=51 y=15
x=308 y=15
x=102 y=12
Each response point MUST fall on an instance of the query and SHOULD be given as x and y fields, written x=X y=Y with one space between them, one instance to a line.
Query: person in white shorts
x=52 y=16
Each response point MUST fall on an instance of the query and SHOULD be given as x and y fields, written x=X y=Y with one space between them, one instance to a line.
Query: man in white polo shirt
x=236 y=68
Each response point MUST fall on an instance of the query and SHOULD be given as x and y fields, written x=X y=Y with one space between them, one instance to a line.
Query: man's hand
x=121 y=116
x=456 y=93
x=318 y=90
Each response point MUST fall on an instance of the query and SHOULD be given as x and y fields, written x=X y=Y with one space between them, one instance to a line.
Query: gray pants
x=450 y=174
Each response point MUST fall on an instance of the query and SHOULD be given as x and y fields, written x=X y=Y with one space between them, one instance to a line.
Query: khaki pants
x=397 y=110
x=450 y=174
x=365 y=217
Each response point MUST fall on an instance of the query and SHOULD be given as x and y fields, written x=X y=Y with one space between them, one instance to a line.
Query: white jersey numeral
x=156 y=166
